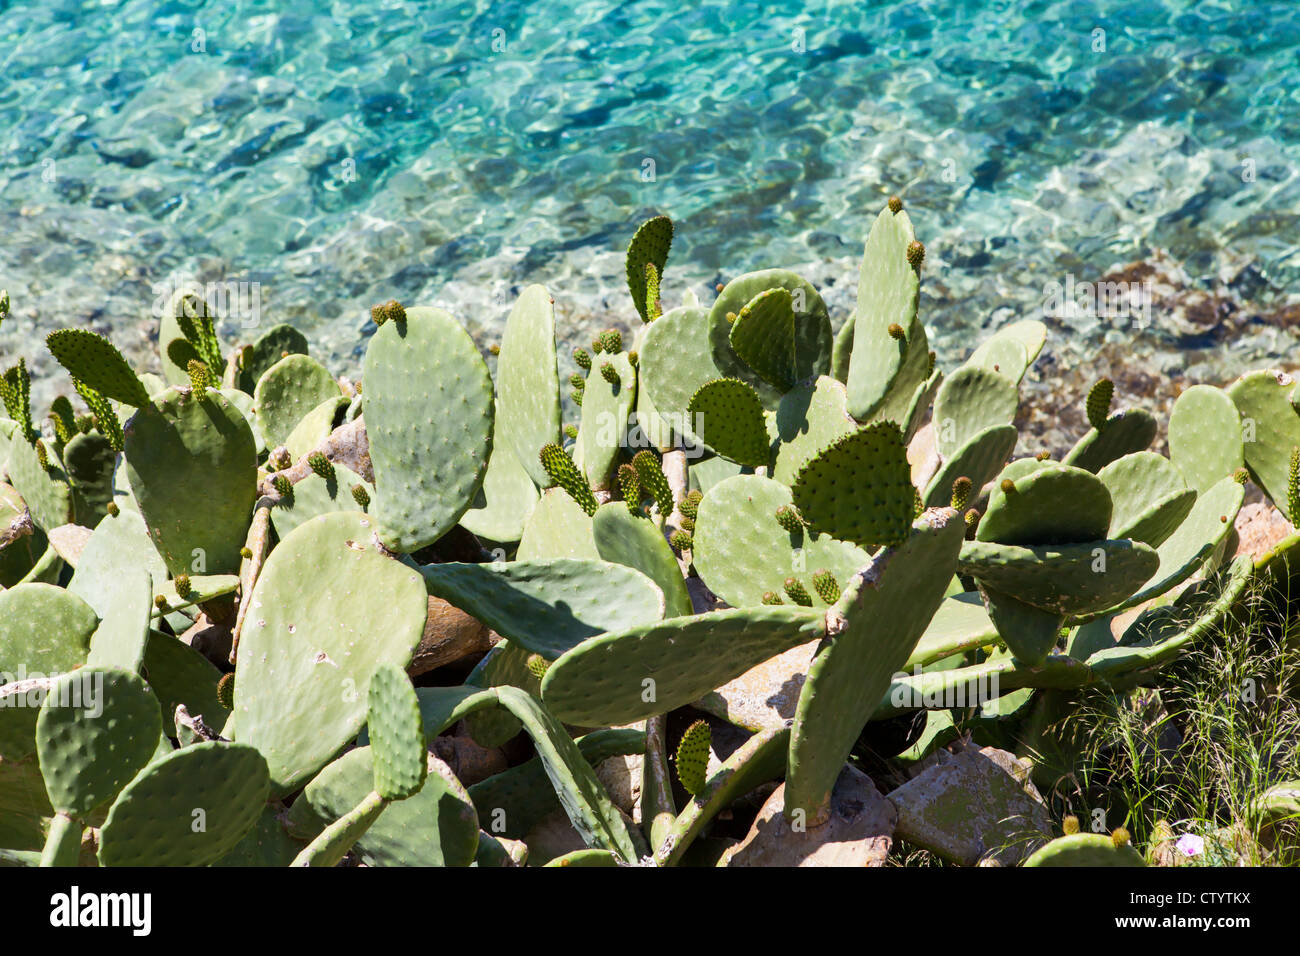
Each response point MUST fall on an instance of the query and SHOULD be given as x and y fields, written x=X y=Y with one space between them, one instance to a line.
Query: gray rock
x=977 y=804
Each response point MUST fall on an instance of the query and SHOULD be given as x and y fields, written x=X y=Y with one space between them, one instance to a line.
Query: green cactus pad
x=636 y=543
x=396 y=733
x=505 y=664
x=809 y=418
x=549 y=606
x=508 y=498
x=1051 y=504
x=558 y=527
x=1270 y=426
x=1030 y=633
x=428 y=408
x=1205 y=436
x=437 y=826
x=89 y=461
x=692 y=757
x=1085 y=849
x=763 y=337
x=961 y=624
x=742 y=551
x=1125 y=432
x=842 y=350
x=93 y=359
x=1150 y=497
x=1011 y=349
x=44 y=630
x=177 y=443
x=602 y=682
x=314 y=496
x=859 y=489
x=813 y=341
x=528 y=382
x=287 y=392
x=119 y=544
x=96 y=730
x=606 y=410
x=980 y=459
x=676 y=360
x=47 y=492
x=650 y=245
x=888 y=288
x=314 y=427
x=728 y=416
x=1194 y=541
x=970 y=401
x=871 y=633
x=120 y=639
x=1064 y=579
x=190 y=808
x=276 y=343
x=307 y=653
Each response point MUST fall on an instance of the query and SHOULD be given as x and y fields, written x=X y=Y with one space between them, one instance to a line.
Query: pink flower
x=1189 y=844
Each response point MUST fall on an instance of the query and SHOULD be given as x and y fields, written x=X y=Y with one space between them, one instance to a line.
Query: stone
x=764 y=697
x=859 y=831
x=449 y=635
x=976 y=804
x=1260 y=527
x=467 y=760
x=68 y=540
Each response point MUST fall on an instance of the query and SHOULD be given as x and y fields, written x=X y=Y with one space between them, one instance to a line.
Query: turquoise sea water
x=448 y=153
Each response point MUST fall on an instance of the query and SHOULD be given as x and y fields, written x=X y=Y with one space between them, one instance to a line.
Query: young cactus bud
x=1098 y=404
x=494 y=349
x=361 y=496
x=1070 y=825
x=563 y=472
x=918 y=506
x=961 y=489
x=797 y=593
x=103 y=415
x=630 y=487
x=583 y=359
x=226 y=691
x=159 y=601
x=682 y=540
x=16 y=394
x=972 y=518
x=652 y=478
x=537 y=665
x=42 y=456
x=652 y=306
x=1120 y=837
x=929 y=363
x=687 y=524
x=85 y=424
x=246 y=553
x=1293 y=486
x=576 y=396
x=183 y=586
x=915 y=254
x=690 y=506
x=827 y=587
x=1241 y=476
x=788 y=517
x=771 y=597
x=692 y=759
x=200 y=378
x=571 y=431
x=633 y=359
x=610 y=374
x=895 y=205
x=283 y=486
x=65 y=422
x=321 y=465
x=1008 y=486
x=611 y=340
x=392 y=309
x=112 y=509
x=280 y=459
x=896 y=332
x=1044 y=455
x=577 y=381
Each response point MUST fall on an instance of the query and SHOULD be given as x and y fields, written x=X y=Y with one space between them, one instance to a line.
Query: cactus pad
x=1150 y=497
x=1050 y=504
x=396 y=732
x=763 y=337
x=649 y=246
x=728 y=416
x=93 y=359
x=859 y=489
x=429 y=410
x=528 y=403
x=156 y=819
x=692 y=757
x=1205 y=436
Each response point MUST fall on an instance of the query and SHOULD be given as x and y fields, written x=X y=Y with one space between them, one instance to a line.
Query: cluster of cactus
x=737 y=484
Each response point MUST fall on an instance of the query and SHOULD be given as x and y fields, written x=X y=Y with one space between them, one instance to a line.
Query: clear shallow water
x=447 y=153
